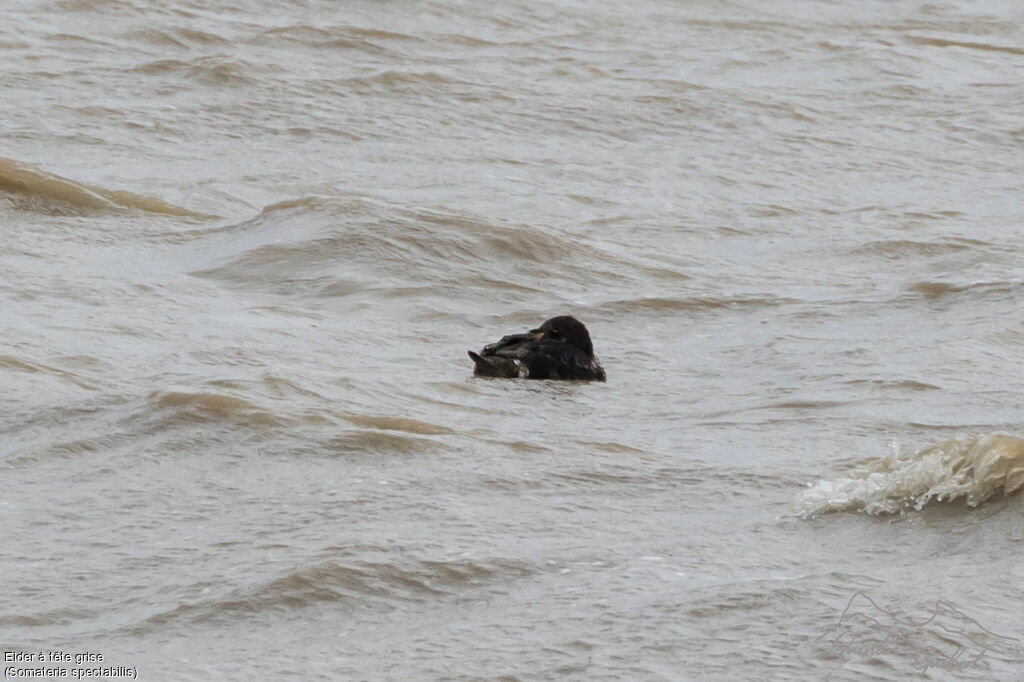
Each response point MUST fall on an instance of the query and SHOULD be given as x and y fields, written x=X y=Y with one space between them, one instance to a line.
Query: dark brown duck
x=558 y=349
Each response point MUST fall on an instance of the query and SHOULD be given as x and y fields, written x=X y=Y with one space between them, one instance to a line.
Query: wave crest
x=31 y=189
x=974 y=469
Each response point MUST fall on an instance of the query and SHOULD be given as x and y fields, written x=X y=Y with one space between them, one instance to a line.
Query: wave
x=213 y=70
x=17 y=364
x=341 y=37
x=328 y=36
x=179 y=37
x=331 y=247
x=935 y=41
x=972 y=469
x=360 y=442
x=247 y=404
x=898 y=249
x=194 y=407
x=398 y=424
x=31 y=189
x=666 y=305
x=355 y=583
x=932 y=290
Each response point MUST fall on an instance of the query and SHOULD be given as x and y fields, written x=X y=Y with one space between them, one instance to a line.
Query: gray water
x=245 y=247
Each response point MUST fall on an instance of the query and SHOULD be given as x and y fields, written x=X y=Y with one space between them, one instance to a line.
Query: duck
x=559 y=349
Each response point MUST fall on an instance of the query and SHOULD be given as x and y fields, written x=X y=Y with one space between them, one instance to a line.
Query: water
x=246 y=247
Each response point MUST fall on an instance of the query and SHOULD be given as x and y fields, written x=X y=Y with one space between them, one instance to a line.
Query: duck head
x=567 y=329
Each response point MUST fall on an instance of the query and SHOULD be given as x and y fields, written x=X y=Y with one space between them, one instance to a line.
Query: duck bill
x=506 y=342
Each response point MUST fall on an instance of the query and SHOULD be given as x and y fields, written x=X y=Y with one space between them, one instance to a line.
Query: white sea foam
x=975 y=468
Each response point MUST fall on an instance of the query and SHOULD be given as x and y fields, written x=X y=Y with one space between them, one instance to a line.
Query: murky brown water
x=246 y=246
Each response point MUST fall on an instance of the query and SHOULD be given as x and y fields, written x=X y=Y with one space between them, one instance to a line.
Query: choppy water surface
x=246 y=246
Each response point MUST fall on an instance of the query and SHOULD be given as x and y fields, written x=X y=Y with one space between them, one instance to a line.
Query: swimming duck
x=558 y=349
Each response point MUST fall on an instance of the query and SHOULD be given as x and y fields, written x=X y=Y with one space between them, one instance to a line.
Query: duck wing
x=553 y=359
x=524 y=355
